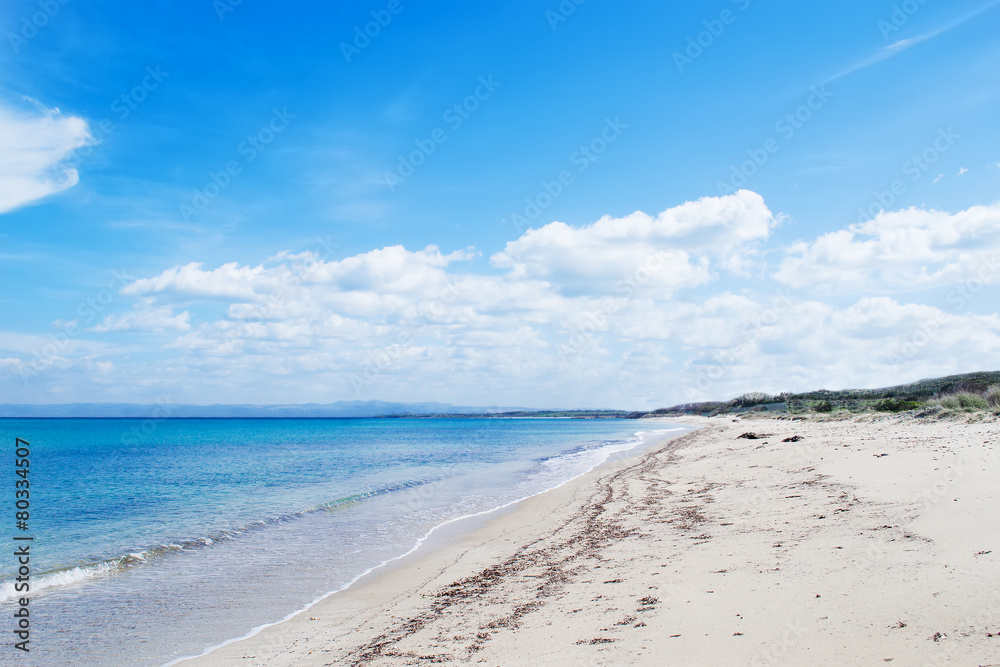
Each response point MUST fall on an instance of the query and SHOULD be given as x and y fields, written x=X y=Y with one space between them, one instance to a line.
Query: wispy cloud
x=903 y=45
x=961 y=172
x=34 y=143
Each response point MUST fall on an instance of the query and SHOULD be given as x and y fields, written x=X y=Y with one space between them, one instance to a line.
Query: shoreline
x=448 y=533
x=708 y=548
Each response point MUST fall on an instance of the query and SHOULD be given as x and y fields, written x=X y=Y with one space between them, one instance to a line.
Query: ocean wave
x=552 y=472
x=592 y=454
x=607 y=447
x=76 y=574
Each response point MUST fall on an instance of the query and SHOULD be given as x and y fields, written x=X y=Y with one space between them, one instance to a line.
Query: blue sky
x=218 y=202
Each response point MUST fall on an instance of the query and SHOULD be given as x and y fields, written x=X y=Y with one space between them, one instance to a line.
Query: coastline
x=446 y=535
x=847 y=545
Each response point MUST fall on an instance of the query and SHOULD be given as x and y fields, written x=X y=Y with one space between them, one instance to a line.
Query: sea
x=157 y=540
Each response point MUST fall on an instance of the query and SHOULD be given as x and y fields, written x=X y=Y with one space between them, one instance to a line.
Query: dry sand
x=868 y=541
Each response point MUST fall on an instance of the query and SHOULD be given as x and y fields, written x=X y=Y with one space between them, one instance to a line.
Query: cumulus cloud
x=149 y=319
x=388 y=270
x=902 y=250
x=391 y=270
x=228 y=281
x=34 y=144
x=686 y=238
x=300 y=301
x=639 y=311
x=803 y=344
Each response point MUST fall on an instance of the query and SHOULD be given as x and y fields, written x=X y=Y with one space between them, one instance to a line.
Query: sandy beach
x=866 y=541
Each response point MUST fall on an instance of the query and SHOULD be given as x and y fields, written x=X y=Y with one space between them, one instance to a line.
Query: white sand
x=709 y=550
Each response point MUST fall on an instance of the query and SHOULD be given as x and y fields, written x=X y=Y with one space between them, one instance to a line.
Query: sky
x=537 y=204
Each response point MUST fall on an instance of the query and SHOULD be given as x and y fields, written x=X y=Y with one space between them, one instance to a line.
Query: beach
x=860 y=541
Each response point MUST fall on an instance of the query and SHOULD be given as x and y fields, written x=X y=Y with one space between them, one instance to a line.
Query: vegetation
x=971 y=392
x=896 y=405
x=992 y=396
x=963 y=402
x=709 y=407
x=755 y=398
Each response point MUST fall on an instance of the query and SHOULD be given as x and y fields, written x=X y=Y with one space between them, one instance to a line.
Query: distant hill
x=887 y=399
x=967 y=391
x=340 y=409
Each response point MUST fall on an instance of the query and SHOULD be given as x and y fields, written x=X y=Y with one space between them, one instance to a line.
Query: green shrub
x=823 y=406
x=898 y=405
x=967 y=402
x=973 y=402
x=753 y=398
x=950 y=402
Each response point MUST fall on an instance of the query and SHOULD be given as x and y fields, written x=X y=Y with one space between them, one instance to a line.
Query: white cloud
x=229 y=280
x=874 y=342
x=962 y=171
x=937 y=178
x=902 y=250
x=34 y=144
x=902 y=45
x=683 y=241
x=578 y=316
x=645 y=357
x=392 y=270
x=149 y=319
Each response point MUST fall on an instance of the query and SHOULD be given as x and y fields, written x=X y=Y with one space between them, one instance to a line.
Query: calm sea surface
x=156 y=540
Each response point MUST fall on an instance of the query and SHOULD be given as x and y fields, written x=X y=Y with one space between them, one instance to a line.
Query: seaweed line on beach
x=552 y=561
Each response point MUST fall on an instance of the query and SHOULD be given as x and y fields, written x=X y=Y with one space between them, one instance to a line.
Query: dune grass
x=987 y=401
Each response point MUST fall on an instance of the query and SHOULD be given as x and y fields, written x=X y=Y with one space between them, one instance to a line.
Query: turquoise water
x=157 y=540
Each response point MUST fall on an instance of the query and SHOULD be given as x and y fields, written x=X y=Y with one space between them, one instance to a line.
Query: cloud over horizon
x=659 y=304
